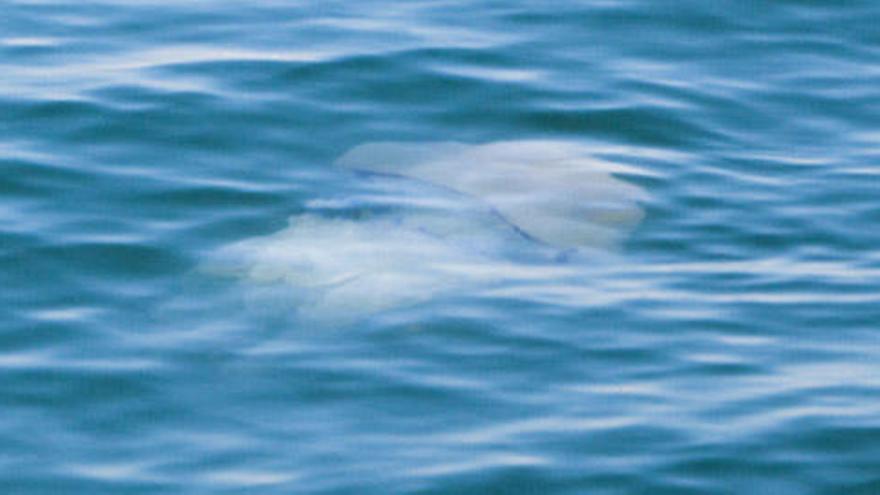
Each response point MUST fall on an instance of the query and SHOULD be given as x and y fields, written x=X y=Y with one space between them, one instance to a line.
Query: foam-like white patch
x=471 y=216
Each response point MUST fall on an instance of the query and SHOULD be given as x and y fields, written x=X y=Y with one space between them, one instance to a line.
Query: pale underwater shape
x=554 y=192
x=504 y=212
x=339 y=269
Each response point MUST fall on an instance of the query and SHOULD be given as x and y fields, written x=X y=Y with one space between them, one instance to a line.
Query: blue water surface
x=730 y=346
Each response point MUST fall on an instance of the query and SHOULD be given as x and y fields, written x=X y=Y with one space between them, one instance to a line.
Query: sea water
x=727 y=343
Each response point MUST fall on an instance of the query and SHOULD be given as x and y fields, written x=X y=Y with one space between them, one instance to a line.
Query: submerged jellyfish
x=473 y=216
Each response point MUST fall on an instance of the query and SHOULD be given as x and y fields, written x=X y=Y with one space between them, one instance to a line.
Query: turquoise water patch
x=165 y=165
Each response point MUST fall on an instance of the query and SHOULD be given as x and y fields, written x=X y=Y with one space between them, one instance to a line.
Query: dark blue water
x=728 y=345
